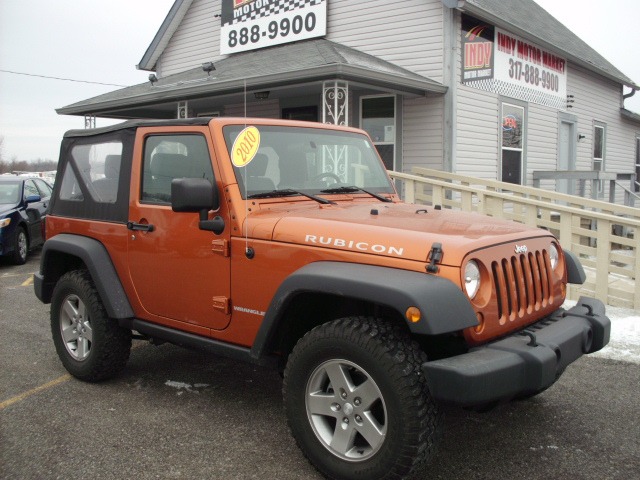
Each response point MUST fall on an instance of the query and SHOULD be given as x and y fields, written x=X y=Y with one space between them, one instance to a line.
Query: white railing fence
x=605 y=236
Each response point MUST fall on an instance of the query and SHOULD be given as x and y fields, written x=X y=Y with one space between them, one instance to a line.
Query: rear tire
x=357 y=403
x=91 y=346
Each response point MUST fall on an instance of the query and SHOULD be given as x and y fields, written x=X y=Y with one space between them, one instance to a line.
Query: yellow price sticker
x=245 y=146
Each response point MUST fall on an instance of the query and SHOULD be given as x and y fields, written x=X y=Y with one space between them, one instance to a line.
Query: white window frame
x=599 y=161
x=522 y=149
x=637 y=169
x=395 y=124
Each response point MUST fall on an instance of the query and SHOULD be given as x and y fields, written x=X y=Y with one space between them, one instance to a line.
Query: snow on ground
x=625 y=335
x=624 y=343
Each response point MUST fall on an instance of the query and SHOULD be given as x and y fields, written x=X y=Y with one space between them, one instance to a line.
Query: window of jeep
x=312 y=160
x=172 y=156
x=97 y=168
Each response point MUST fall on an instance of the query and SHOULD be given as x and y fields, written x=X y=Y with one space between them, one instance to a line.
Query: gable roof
x=529 y=20
x=288 y=64
x=163 y=36
x=521 y=17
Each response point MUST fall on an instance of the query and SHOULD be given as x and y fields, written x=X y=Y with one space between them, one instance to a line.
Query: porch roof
x=290 y=64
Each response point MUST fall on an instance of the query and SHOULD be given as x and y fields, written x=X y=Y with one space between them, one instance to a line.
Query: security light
x=208 y=67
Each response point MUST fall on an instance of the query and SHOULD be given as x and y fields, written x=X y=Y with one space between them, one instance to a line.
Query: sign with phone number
x=526 y=65
x=265 y=23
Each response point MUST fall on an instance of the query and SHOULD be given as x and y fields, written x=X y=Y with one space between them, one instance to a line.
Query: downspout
x=629 y=95
x=449 y=43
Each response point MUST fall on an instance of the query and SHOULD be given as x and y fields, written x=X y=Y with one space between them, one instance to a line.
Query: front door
x=566 y=155
x=180 y=273
x=35 y=211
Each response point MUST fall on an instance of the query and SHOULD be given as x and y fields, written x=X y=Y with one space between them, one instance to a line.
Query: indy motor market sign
x=503 y=63
x=253 y=24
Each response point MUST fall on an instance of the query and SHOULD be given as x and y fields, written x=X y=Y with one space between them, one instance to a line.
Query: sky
x=103 y=40
x=94 y=40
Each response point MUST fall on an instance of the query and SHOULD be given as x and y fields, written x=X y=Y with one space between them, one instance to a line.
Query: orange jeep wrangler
x=285 y=244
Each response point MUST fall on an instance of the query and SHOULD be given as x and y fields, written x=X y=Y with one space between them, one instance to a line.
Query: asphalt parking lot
x=180 y=414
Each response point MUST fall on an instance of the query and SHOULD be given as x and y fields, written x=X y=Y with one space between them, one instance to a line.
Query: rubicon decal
x=354 y=245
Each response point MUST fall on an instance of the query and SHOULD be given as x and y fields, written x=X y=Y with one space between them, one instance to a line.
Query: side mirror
x=33 y=199
x=197 y=195
x=193 y=195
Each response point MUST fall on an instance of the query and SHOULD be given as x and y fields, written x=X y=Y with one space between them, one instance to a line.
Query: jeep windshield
x=311 y=161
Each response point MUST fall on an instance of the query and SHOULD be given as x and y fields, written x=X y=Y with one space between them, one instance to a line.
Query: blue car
x=23 y=207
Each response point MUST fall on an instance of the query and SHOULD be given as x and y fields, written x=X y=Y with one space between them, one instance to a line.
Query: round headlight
x=553 y=256
x=471 y=279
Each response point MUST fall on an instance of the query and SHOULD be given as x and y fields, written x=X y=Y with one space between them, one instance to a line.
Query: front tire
x=91 y=346
x=357 y=402
x=20 y=247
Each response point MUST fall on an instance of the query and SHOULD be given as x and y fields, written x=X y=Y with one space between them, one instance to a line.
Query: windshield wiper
x=353 y=189
x=288 y=192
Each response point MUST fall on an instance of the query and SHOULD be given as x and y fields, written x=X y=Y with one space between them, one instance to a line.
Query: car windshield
x=9 y=192
x=309 y=160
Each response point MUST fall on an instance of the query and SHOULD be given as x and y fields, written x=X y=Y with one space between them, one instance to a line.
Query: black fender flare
x=445 y=308
x=575 y=271
x=97 y=260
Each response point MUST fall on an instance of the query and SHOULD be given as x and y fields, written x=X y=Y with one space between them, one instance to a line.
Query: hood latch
x=434 y=257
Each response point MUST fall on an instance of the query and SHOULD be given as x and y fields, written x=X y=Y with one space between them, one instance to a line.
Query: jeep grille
x=523 y=284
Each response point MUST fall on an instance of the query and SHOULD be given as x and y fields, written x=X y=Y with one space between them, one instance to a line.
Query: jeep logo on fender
x=353 y=245
x=521 y=249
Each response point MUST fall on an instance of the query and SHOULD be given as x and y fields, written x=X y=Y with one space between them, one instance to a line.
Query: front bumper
x=521 y=364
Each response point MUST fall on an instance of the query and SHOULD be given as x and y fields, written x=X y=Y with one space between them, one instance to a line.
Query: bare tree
x=4 y=168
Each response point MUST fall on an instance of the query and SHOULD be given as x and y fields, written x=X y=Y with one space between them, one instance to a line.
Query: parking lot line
x=7 y=275
x=27 y=282
x=46 y=386
x=22 y=396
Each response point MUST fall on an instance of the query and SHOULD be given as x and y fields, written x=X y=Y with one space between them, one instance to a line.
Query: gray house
x=497 y=89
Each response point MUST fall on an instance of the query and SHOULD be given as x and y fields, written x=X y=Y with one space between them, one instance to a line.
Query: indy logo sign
x=477 y=50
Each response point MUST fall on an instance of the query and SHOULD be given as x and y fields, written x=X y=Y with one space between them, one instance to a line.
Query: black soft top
x=88 y=132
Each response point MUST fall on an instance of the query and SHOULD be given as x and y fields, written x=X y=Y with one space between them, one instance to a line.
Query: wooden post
x=603 y=238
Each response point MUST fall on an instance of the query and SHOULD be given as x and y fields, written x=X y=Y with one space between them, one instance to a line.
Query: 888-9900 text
x=283 y=28
x=533 y=75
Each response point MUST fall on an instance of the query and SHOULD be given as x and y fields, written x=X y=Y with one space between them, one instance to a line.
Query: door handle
x=141 y=227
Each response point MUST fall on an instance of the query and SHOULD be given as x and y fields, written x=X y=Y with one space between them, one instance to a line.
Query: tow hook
x=588 y=316
x=532 y=336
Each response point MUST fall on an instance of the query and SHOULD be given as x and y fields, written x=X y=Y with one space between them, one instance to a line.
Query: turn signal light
x=413 y=314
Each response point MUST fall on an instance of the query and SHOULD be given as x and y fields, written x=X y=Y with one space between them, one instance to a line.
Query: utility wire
x=65 y=79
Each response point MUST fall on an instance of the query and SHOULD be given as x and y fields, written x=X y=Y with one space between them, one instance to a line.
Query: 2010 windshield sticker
x=245 y=146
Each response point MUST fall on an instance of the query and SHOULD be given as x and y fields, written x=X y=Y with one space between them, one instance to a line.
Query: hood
x=6 y=207
x=394 y=230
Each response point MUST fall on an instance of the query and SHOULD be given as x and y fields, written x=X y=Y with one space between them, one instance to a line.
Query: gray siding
x=477 y=133
x=476 y=150
x=598 y=100
x=407 y=33
x=196 y=40
x=595 y=100
x=542 y=140
x=422 y=132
